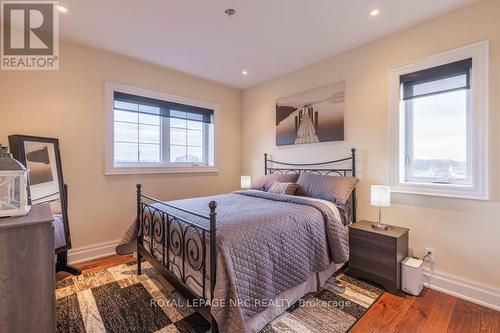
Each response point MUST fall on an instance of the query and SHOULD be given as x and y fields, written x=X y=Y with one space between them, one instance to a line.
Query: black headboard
x=322 y=168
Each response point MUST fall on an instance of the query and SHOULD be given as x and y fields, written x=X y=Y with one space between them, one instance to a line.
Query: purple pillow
x=331 y=188
x=283 y=188
x=263 y=183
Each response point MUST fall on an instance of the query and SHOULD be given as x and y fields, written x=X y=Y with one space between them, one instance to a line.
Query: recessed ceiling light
x=62 y=9
x=375 y=12
x=244 y=72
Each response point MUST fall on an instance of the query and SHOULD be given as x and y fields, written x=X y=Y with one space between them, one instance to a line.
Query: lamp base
x=379 y=226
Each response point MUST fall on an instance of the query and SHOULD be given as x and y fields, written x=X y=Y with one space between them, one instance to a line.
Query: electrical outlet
x=432 y=256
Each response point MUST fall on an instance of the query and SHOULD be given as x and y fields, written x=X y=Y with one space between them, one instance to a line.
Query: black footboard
x=177 y=247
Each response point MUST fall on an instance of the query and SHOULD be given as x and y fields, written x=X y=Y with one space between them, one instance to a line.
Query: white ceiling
x=267 y=38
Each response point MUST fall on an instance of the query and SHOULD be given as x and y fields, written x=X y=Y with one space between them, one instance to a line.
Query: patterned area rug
x=117 y=300
x=333 y=309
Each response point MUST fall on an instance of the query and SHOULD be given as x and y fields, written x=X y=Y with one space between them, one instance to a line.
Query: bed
x=270 y=249
x=59 y=232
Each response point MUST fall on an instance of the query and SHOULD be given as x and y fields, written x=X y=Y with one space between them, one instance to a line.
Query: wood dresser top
x=39 y=214
x=392 y=230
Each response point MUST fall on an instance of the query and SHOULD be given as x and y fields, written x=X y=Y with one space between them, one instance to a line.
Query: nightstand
x=376 y=255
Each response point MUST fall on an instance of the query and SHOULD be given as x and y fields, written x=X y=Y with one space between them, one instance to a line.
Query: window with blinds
x=437 y=113
x=150 y=132
x=438 y=129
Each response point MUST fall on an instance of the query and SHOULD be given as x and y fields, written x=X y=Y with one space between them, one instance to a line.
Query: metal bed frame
x=163 y=234
x=299 y=168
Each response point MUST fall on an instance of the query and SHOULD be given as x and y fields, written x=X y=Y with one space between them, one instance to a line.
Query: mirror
x=43 y=159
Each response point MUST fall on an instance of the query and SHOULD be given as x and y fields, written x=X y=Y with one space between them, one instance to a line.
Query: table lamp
x=246 y=182
x=381 y=197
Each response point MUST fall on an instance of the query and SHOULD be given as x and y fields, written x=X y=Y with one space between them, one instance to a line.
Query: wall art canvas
x=312 y=116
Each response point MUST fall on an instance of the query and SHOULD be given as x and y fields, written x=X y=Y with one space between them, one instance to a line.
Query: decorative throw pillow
x=263 y=183
x=283 y=188
x=331 y=188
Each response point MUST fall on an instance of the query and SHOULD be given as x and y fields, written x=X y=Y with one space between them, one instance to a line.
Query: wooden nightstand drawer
x=362 y=241
x=376 y=255
x=361 y=255
x=383 y=268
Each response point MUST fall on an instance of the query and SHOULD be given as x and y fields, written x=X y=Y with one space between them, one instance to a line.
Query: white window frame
x=479 y=99
x=135 y=168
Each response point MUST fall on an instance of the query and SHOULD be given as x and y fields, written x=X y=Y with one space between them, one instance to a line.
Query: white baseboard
x=90 y=252
x=472 y=291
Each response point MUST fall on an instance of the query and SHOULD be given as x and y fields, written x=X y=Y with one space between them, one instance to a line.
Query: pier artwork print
x=312 y=116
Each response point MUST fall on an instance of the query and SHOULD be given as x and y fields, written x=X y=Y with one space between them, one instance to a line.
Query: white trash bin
x=412 y=280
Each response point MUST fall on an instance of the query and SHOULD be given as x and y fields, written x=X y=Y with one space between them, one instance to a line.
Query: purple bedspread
x=267 y=243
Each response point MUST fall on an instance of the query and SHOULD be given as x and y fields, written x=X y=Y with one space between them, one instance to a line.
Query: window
x=437 y=116
x=439 y=127
x=151 y=132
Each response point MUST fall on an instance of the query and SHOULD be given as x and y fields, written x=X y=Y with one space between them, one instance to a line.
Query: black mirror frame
x=16 y=143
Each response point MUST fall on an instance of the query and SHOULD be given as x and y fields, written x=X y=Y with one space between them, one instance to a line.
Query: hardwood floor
x=98 y=264
x=432 y=311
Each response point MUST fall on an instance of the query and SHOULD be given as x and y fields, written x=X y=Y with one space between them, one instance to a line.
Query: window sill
x=159 y=170
x=441 y=190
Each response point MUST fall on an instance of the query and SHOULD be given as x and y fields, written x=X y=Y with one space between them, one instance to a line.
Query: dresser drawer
x=27 y=277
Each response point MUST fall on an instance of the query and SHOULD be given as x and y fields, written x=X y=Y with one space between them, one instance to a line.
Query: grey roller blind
x=156 y=107
x=437 y=80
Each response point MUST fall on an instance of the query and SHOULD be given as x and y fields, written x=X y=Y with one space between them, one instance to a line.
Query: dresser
x=376 y=255
x=27 y=272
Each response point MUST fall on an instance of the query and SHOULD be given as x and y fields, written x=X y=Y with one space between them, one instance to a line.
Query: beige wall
x=464 y=233
x=69 y=104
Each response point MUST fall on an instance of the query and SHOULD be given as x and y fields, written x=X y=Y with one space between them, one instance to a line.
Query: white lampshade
x=246 y=182
x=381 y=196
